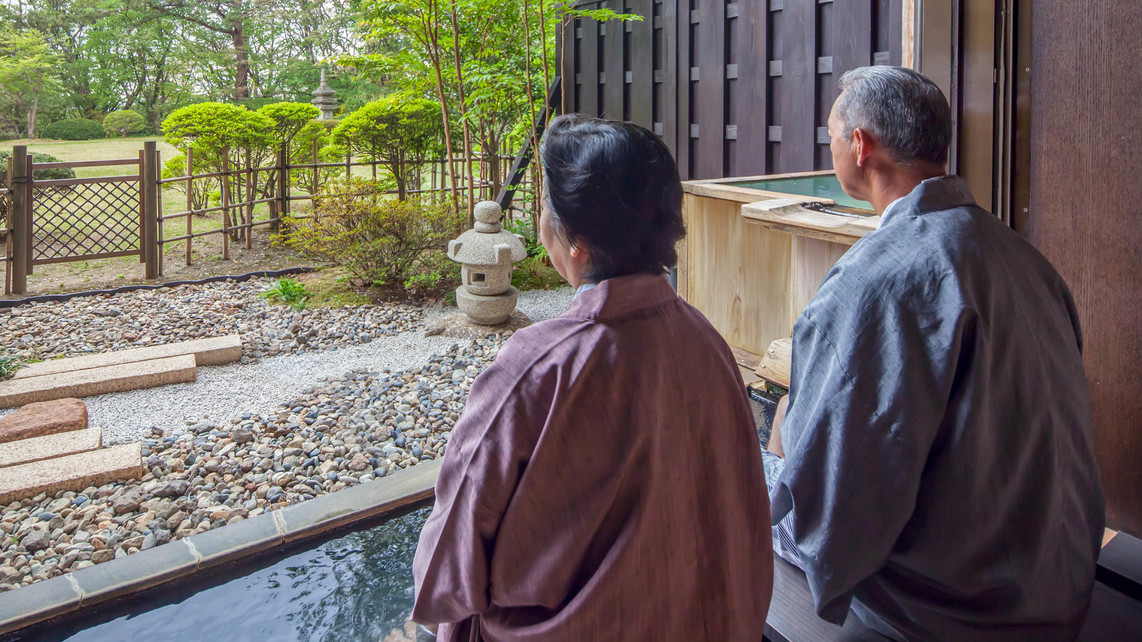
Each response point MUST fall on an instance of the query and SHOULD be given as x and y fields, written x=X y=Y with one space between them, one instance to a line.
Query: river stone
x=128 y=502
x=43 y=418
x=173 y=488
x=37 y=539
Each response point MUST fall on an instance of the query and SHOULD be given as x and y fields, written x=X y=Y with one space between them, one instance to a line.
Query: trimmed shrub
x=124 y=122
x=375 y=237
x=74 y=129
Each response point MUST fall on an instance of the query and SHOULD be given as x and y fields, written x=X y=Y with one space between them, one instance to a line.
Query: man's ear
x=863 y=146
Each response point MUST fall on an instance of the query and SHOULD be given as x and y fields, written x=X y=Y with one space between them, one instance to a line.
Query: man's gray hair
x=902 y=109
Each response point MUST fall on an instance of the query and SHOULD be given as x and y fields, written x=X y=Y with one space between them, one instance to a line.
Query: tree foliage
x=399 y=132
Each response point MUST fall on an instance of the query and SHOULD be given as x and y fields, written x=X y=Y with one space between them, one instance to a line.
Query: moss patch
x=332 y=288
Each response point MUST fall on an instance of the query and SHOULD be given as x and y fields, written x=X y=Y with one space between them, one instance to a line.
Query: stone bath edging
x=117 y=578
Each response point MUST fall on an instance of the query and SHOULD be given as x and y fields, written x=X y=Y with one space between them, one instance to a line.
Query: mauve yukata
x=604 y=483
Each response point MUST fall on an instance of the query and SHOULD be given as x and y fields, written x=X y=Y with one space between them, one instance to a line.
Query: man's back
x=938 y=378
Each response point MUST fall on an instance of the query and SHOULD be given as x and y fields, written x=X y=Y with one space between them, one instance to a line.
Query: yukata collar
x=620 y=297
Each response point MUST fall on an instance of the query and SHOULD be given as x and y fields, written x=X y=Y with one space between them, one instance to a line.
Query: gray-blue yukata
x=940 y=478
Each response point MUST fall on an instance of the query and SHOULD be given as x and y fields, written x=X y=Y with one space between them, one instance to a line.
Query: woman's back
x=604 y=483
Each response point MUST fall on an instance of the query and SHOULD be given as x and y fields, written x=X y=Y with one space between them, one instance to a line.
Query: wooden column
x=21 y=219
x=149 y=194
x=1086 y=152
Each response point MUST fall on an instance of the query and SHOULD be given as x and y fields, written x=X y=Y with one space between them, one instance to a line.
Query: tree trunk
x=435 y=55
x=463 y=116
x=242 y=62
x=35 y=105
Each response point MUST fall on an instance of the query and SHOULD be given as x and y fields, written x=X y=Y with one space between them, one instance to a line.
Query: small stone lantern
x=486 y=253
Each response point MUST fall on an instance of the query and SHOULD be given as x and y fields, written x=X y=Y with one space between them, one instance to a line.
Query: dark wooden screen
x=734 y=88
x=1085 y=156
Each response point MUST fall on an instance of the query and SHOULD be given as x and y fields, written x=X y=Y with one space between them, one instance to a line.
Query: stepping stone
x=43 y=418
x=49 y=446
x=71 y=472
x=207 y=352
x=96 y=381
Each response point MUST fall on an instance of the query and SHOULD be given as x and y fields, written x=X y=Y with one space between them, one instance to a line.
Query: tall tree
x=228 y=18
x=26 y=68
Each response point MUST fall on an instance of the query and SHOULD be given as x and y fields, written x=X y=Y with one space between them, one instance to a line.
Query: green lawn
x=87 y=150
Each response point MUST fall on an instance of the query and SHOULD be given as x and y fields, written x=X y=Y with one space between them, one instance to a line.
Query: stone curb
x=143 y=570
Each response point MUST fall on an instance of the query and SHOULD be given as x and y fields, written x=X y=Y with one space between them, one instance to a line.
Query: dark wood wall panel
x=1086 y=151
x=587 y=75
x=796 y=88
x=613 y=69
x=750 y=114
x=708 y=19
x=734 y=87
x=641 y=45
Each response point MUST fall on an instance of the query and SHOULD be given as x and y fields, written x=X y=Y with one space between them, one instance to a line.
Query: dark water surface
x=355 y=587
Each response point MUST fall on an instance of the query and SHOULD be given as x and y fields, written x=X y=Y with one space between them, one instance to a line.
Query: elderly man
x=938 y=476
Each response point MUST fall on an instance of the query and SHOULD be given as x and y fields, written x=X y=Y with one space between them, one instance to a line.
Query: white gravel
x=225 y=392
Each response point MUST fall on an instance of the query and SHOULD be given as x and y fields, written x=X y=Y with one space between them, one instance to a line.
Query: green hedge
x=74 y=129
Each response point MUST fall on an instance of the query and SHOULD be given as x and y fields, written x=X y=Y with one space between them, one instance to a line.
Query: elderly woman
x=605 y=481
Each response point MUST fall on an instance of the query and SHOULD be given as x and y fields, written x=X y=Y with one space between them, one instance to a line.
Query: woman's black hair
x=613 y=187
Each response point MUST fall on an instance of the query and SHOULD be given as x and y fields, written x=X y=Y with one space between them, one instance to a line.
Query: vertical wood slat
x=684 y=63
x=798 y=88
x=612 y=66
x=671 y=83
x=710 y=106
x=752 y=47
x=642 y=64
x=587 y=75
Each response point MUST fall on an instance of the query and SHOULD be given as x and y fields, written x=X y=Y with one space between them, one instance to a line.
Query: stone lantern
x=324 y=98
x=486 y=253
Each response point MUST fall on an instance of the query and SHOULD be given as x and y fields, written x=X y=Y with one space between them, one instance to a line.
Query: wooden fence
x=738 y=88
x=52 y=221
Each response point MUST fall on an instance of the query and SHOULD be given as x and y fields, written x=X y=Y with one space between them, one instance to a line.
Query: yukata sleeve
x=486 y=456
x=865 y=404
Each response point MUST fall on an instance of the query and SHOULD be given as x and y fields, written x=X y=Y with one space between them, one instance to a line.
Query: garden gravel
x=249 y=438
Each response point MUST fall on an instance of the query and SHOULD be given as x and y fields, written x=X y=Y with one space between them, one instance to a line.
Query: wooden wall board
x=811 y=259
x=737 y=274
x=587 y=75
x=796 y=88
x=1086 y=151
x=613 y=67
x=669 y=88
x=709 y=21
x=641 y=43
x=751 y=94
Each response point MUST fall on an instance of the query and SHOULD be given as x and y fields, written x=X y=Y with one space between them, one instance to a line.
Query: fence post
x=148 y=189
x=21 y=219
x=189 y=200
x=283 y=188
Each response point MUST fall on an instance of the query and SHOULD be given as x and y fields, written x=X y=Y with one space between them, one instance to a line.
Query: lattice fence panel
x=87 y=219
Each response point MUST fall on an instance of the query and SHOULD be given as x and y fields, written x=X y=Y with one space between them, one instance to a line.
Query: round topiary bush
x=73 y=129
x=124 y=122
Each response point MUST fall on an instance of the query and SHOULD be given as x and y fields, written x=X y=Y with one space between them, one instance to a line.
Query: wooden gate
x=735 y=88
x=80 y=219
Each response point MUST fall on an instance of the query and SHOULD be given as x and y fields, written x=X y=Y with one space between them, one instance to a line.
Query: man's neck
x=886 y=187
